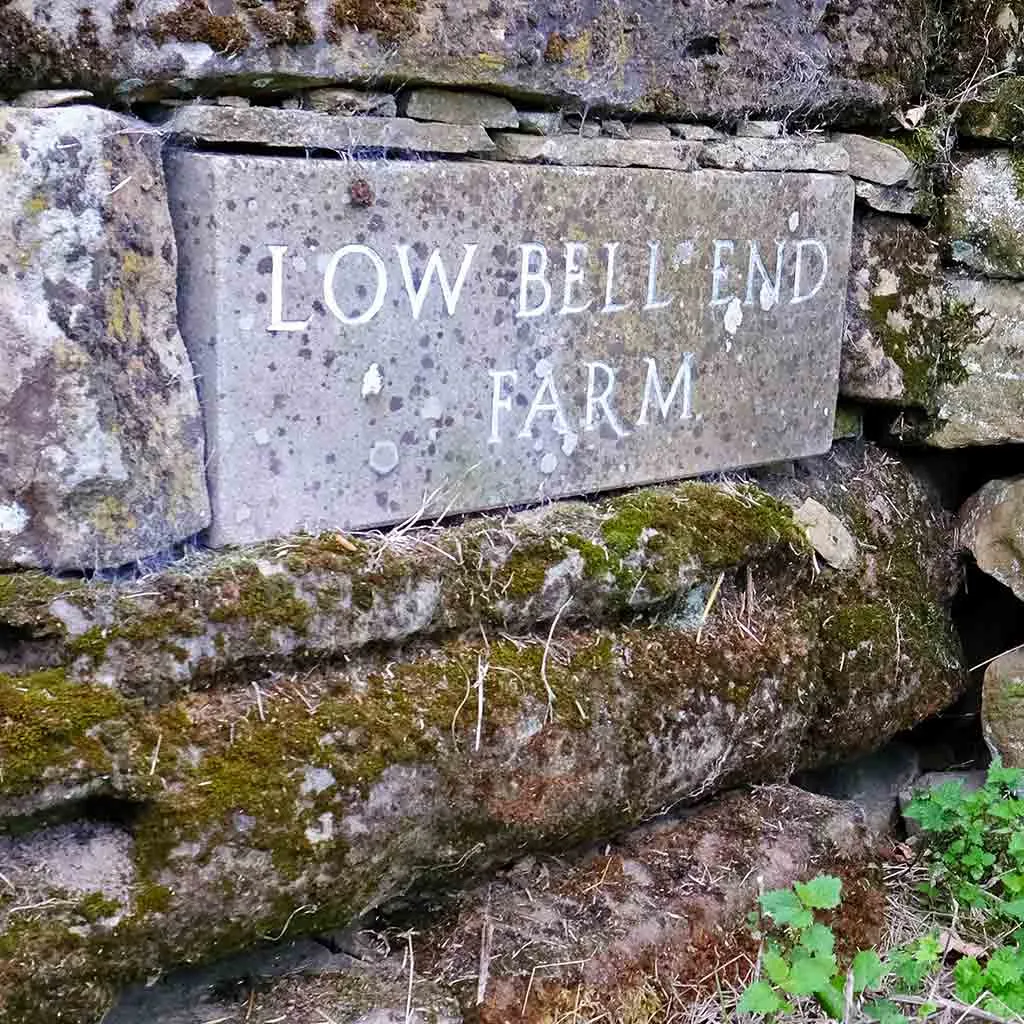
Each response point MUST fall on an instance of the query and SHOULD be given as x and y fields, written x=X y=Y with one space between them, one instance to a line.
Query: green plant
x=975 y=844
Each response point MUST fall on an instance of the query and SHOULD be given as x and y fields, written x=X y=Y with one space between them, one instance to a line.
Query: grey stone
x=647 y=131
x=233 y=101
x=1002 y=708
x=877 y=161
x=894 y=313
x=455 y=107
x=759 y=129
x=982 y=404
x=860 y=63
x=577 y=150
x=541 y=122
x=985 y=216
x=101 y=442
x=42 y=98
x=614 y=129
x=904 y=202
x=774 y=155
x=874 y=782
x=992 y=529
x=350 y=102
x=315 y=455
x=308 y=129
x=695 y=132
x=588 y=130
x=828 y=534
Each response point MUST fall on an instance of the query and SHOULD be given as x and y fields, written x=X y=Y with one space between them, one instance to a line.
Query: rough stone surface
x=828 y=534
x=992 y=529
x=985 y=215
x=998 y=114
x=904 y=202
x=350 y=102
x=426 y=403
x=664 y=903
x=333 y=784
x=458 y=107
x=576 y=150
x=41 y=98
x=101 y=443
x=759 y=129
x=774 y=155
x=650 y=132
x=541 y=122
x=695 y=132
x=309 y=129
x=1002 y=709
x=893 y=348
x=713 y=60
x=981 y=403
x=877 y=161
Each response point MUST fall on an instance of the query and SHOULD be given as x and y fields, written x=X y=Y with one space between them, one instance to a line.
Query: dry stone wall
x=226 y=718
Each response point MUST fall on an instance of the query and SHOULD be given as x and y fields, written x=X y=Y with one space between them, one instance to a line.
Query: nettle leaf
x=885 y=1012
x=821 y=893
x=808 y=974
x=762 y=999
x=867 y=970
x=783 y=907
x=776 y=967
x=1012 y=778
x=1013 y=908
x=818 y=940
x=832 y=1000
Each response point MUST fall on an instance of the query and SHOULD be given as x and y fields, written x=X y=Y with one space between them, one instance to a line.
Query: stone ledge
x=573 y=150
x=744 y=154
x=309 y=129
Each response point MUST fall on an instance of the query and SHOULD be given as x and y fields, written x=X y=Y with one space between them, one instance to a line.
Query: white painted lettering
x=574 y=274
x=528 y=276
x=799 y=296
x=498 y=403
x=653 y=392
x=766 y=291
x=277 y=320
x=600 y=401
x=720 y=273
x=382 y=284
x=653 y=302
x=610 y=305
x=552 y=405
x=418 y=295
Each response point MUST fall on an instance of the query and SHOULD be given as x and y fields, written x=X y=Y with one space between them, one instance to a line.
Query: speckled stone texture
x=510 y=389
x=849 y=59
x=101 y=442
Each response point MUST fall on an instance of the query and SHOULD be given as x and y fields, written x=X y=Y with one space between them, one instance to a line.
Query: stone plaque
x=380 y=340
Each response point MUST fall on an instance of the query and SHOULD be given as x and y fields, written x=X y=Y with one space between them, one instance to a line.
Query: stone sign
x=385 y=339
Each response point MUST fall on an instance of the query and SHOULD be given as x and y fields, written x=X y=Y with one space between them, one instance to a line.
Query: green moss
x=390 y=19
x=267 y=602
x=192 y=22
x=25 y=599
x=47 y=723
x=96 y=906
x=924 y=146
x=999 y=114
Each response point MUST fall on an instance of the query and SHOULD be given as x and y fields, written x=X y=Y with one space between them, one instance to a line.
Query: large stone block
x=722 y=58
x=1002 y=711
x=101 y=442
x=992 y=529
x=388 y=339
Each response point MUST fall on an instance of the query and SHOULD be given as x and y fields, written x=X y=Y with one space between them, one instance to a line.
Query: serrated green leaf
x=885 y=1012
x=821 y=893
x=832 y=1001
x=784 y=908
x=760 y=998
x=776 y=967
x=818 y=940
x=808 y=974
x=867 y=970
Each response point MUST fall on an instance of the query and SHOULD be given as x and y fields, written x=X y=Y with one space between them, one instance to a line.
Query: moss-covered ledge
x=215 y=616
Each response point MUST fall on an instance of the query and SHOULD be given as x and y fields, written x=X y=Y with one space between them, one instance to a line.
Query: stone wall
x=205 y=748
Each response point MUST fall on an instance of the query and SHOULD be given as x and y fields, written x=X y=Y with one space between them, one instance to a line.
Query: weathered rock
x=895 y=348
x=828 y=534
x=309 y=129
x=713 y=60
x=1002 y=709
x=575 y=150
x=648 y=131
x=774 y=155
x=873 y=782
x=41 y=98
x=616 y=927
x=541 y=122
x=978 y=42
x=981 y=404
x=759 y=129
x=457 y=107
x=350 y=102
x=295 y=798
x=998 y=115
x=905 y=202
x=985 y=215
x=876 y=161
x=695 y=132
x=101 y=443
x=992 y=529
x=614 y=129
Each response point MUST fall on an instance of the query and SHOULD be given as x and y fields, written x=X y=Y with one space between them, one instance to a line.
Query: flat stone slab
x=578 y=151
x=775 y=155
x=311 y=129
x=377 y=340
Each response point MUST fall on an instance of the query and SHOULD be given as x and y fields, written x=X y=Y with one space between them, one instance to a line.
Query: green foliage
x=976 y=843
